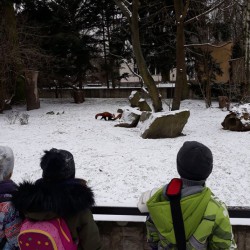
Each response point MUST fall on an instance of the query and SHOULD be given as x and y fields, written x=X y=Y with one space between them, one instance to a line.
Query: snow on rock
x=242 y=113
x=134 y=98
x=165 y=124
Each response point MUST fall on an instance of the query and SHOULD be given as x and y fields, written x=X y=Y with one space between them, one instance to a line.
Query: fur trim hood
x=63 y=198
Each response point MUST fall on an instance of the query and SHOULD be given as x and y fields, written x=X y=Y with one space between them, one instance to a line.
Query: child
x=202 y=221
x=10 y=221
x=59 y=194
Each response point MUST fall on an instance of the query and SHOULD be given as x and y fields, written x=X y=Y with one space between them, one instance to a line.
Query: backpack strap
x=173 y=192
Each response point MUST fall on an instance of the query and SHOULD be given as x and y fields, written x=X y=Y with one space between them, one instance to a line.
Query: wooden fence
x=101 y=92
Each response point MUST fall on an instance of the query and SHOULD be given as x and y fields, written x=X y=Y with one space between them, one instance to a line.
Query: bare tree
x=181 y=9
x=130 y=10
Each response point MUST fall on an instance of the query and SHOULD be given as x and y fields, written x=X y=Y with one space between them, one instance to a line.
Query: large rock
x=238 y=119
x=165 y=124
x=130 y=117
x=134 y=98
x=144 y=116
x=143 y=105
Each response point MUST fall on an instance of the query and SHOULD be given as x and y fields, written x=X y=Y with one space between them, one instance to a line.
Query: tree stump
x=224 y=102
x=31 y=90
x=78 y=96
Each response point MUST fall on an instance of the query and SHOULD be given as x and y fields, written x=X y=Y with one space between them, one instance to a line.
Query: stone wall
x=132 y=236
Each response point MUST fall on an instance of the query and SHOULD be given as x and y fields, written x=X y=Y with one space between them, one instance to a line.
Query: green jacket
x=206 y=222
x=70 y=199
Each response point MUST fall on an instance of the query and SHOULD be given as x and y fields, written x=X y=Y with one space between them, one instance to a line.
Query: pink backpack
x=50 y=235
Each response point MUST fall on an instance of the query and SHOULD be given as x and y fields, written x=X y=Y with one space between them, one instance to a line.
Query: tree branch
x=132 y=71
x=207 y=44
x=124 y=8
x=204 y=13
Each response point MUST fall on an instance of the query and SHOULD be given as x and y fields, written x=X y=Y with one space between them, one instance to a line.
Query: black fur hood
x=63 y=198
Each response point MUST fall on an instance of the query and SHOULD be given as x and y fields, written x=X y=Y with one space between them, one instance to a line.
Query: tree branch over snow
x=208 y=44
x=204 y=13
x=131 y=70
x=134 y=73
x=124 y=6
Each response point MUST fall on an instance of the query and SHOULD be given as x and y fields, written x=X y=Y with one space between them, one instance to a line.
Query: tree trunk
x=9 y=52
x=78 y=95
x=32 y=97
x=181 y=90
x=2 y=99
x=140 y=61
x=208 y=93
x=247 y=44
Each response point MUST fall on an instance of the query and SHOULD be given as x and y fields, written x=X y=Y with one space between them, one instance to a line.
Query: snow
x=132 y=94
x=243 y=113
x=117 y=163
x=166 y=85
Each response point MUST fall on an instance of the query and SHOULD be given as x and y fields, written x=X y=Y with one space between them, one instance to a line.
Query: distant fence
x=121 y=231
x=166 y=92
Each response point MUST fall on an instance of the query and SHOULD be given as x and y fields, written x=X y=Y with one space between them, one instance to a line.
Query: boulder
x=238 y=119
x=165 y=124
x=144 y=116
x=143 y=105
x=130 y=117
x=134 y=98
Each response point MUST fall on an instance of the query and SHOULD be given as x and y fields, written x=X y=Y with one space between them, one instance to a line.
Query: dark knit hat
x=58 y=164
x=194 y=161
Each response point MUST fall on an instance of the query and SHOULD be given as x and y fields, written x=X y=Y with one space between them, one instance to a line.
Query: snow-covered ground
x=117 y=163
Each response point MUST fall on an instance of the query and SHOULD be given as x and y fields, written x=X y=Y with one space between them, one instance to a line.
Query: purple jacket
x=10 y=220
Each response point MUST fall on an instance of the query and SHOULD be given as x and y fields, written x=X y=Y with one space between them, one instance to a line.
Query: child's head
x=57 y=164
x=6 y=163
x=194 y=161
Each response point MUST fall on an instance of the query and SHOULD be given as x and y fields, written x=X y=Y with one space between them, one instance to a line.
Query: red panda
x=109 y=116
x=105 y=115
x=119 y=116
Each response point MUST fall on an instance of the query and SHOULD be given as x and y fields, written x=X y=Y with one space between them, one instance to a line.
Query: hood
x=7 y=188
x=193 y=208
x=61 y=199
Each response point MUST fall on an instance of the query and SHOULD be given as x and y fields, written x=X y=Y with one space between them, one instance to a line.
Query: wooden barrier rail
x=234 y=212
x=129 y=234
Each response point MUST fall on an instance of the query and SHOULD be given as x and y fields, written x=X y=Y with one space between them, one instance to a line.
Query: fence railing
x=119 y=228
x=238 y=215
x=234 y=212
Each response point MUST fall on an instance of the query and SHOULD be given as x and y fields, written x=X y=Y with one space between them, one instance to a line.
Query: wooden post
x=31 y=90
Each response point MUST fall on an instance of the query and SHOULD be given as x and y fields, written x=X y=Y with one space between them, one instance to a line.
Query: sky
x=117 y=162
